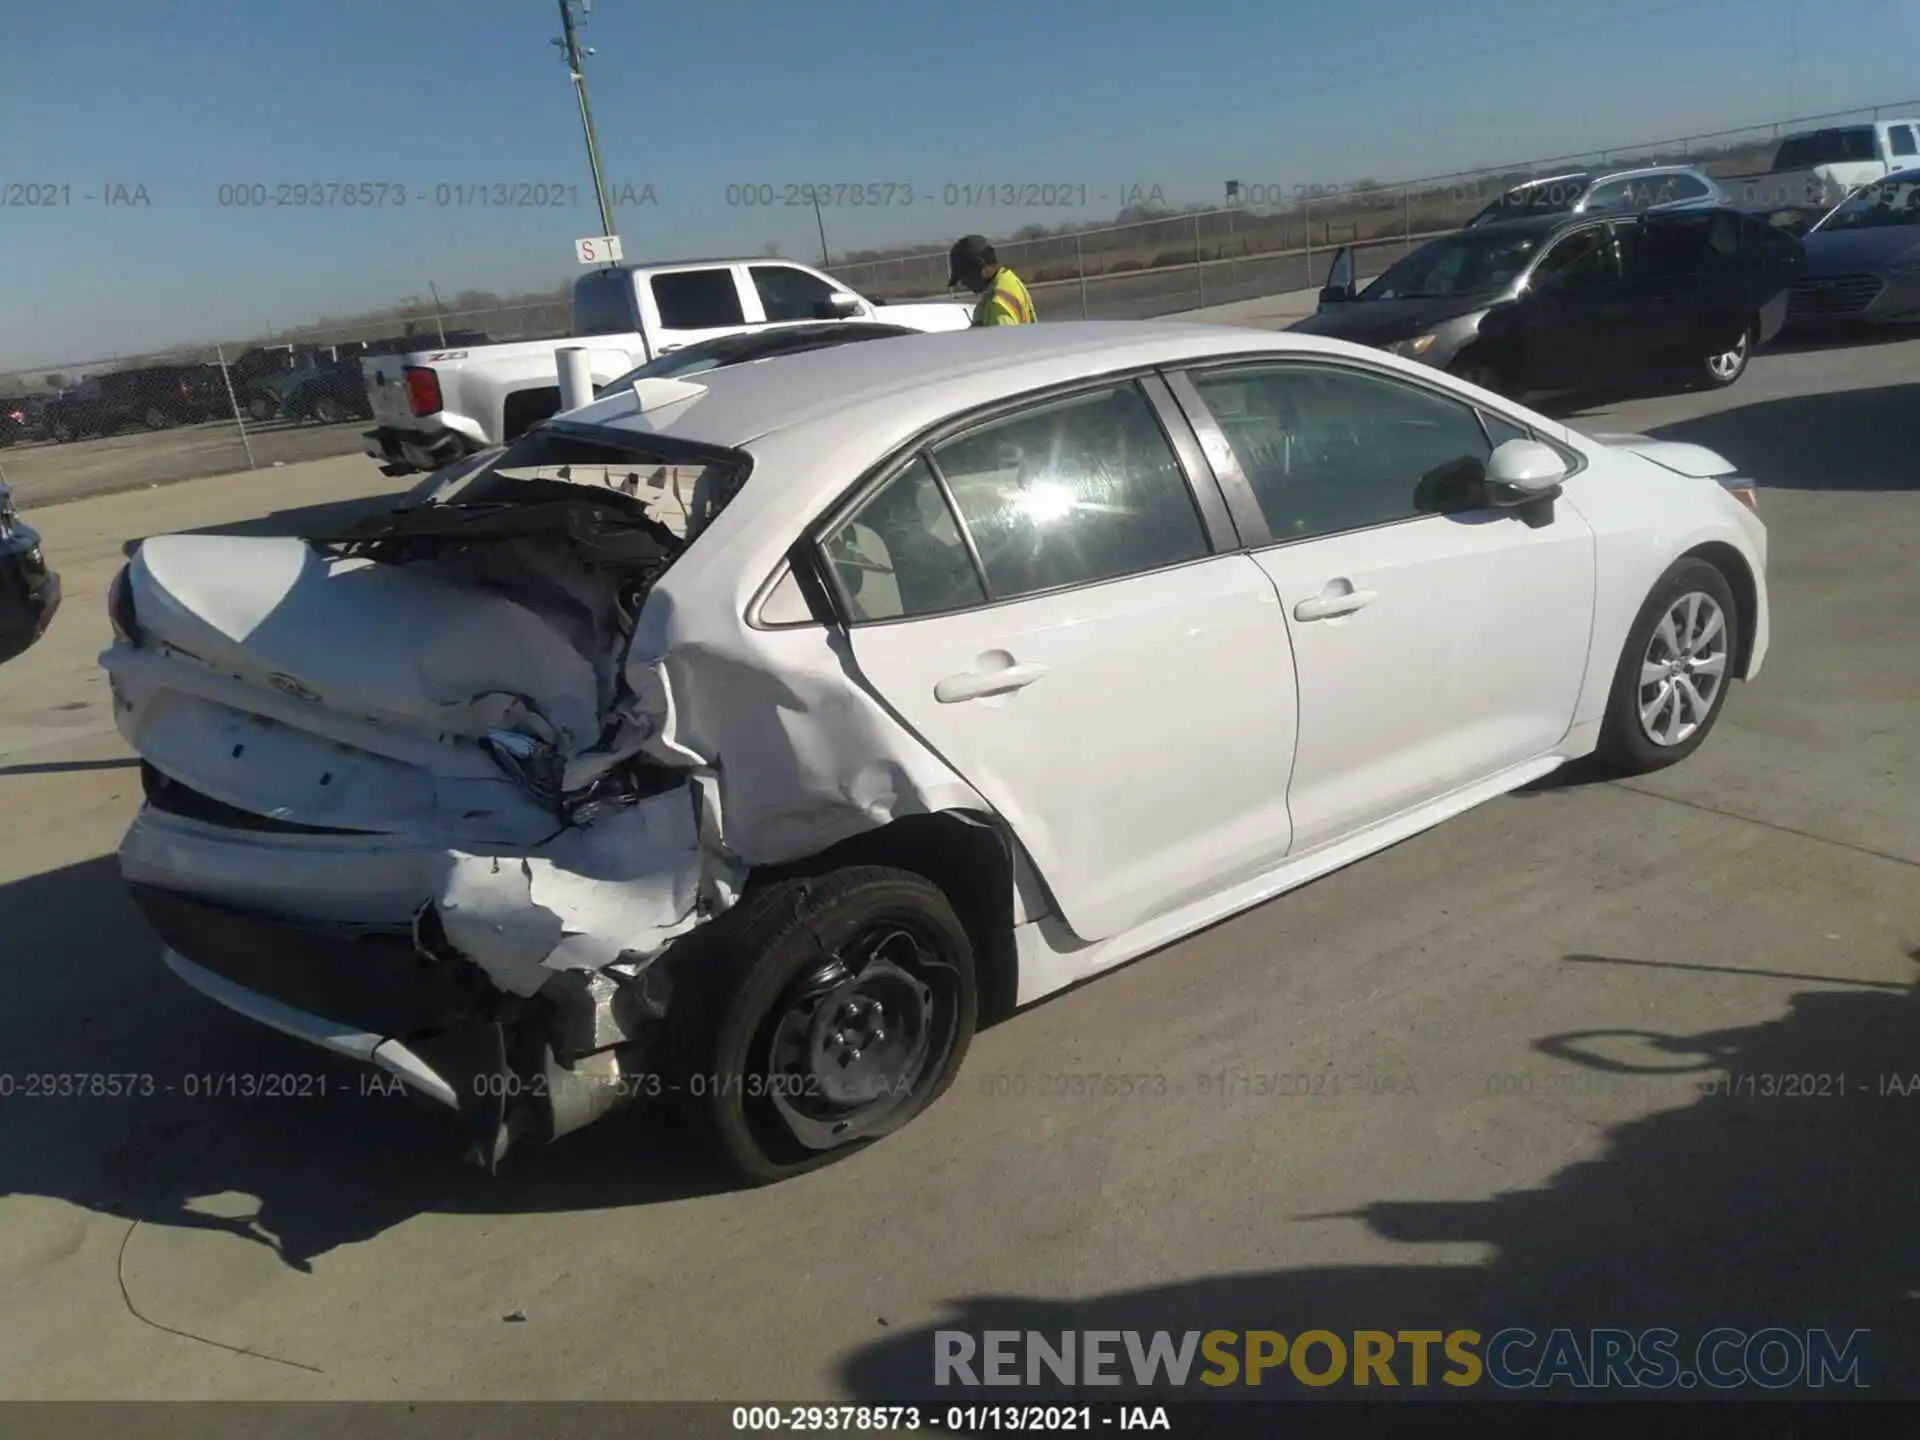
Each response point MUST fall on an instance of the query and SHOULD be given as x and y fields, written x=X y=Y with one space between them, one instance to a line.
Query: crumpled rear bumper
x=399 y=1000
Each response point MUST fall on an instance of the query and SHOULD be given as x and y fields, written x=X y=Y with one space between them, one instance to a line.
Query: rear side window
x=1072 y=493
x=603 y=304
x=789 y=294
x=901 y=554
x=697 y=299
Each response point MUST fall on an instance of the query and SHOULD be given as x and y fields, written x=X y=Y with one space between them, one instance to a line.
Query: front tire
x=1720 y=370
x=844 y=1006
x=1671 y=683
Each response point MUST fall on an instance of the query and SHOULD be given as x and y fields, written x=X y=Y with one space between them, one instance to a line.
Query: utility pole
x=821 y=225
x=572 y=54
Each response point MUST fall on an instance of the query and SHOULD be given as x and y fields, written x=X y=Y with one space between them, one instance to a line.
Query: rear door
x=1041 y=599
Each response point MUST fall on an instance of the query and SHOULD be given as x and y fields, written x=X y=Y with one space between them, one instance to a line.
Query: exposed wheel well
x=1746 y=595
x=526 y=409
x=972 y=863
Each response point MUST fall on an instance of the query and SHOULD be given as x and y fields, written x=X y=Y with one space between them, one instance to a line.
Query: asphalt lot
x=1519 y=1008
x=47 y=474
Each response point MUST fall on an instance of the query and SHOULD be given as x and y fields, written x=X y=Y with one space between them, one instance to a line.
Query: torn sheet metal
x=622 y=887
x=279 y=614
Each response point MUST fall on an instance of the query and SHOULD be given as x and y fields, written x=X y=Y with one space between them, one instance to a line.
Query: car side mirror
x=1520 y=471
x=1340 y=286
x=1335 y=295
x=838 y=306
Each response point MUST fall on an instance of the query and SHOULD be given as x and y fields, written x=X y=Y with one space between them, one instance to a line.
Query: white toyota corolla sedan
x=746 y=740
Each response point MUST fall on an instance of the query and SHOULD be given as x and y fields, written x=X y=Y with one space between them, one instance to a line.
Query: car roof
x=921 y=379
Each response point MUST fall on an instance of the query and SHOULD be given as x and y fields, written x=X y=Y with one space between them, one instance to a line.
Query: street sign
x=597 y=250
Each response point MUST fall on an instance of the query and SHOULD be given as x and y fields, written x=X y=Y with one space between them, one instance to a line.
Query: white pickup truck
x=1817 y=169
x=434 y=406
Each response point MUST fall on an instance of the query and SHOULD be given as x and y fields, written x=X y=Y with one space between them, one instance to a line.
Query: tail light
x=120 y=607
x=423 y=390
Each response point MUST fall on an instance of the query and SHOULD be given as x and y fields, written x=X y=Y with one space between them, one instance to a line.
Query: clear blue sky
x=181 y=96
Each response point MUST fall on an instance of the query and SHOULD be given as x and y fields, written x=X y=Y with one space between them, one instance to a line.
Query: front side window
x=697 y=299
x=790 y=294
x=1582 y=261
x=1327 y=450
x=1902 y=139
x=1072 y=492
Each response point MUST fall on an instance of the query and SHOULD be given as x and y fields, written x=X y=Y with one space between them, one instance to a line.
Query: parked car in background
x=562 y=792
x=1576 y=302
x=154 y=396
x=29 y=591
x=1863 y=258
x=1814 y=170
x=434 y=405
x=1614 y=192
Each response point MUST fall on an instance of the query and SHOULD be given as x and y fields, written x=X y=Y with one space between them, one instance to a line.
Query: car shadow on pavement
x=1840 y=440
x=1737 y=1204
x=330 y=1163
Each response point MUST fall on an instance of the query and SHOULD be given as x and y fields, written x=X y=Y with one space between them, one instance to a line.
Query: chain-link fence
x=80 y=428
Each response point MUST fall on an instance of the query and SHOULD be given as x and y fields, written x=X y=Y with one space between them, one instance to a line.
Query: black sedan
x=29 y=591
x=1574 y=303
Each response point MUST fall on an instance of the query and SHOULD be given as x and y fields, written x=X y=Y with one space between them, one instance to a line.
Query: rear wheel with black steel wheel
x=1671 y=683
x=845 y=1007
x=329 y=411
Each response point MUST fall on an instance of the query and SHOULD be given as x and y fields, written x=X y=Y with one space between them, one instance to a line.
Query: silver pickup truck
x=434 y=406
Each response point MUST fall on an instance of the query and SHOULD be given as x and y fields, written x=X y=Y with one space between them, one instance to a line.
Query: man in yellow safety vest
x=1003 y=299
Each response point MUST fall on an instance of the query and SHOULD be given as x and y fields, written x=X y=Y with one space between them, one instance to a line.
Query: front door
x=1072 y=646
x=1435 y=643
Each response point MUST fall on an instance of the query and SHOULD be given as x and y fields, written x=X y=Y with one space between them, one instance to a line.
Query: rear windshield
x=1826 y=147
x=682 y=487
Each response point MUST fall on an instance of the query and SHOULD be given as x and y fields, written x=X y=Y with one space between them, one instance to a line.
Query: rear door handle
x=1331 y=602
x=977 y=684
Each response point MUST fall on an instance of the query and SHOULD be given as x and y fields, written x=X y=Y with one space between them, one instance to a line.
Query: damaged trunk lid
x=453 y=669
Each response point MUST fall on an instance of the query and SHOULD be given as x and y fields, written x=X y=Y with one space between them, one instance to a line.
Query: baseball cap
x=969 y=252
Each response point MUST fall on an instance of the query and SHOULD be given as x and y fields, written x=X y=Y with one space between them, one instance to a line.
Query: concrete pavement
x=1518 y=1009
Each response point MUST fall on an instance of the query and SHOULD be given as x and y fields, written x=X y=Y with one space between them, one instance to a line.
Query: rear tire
x=1671 y=683
x=839 y=1008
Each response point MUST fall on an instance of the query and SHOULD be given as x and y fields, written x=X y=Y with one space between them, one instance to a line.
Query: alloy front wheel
x=1683 y=669
x=1671 y=682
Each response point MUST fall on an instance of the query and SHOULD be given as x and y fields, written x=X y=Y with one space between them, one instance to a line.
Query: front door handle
x=1334 y=601
x=977 y=684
